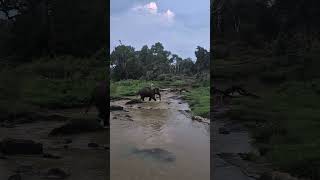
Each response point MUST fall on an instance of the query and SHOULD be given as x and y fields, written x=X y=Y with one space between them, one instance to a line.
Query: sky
x=179 y=25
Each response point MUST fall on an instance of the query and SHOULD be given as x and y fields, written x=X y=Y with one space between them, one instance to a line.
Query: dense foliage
x=30 y=28
x=155 y=63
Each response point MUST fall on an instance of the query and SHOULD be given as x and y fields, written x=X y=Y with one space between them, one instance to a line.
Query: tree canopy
x=150 y=63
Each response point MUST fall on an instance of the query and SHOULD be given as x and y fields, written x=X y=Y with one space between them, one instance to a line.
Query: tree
x=119 y=59
x=203 y=59
x=44 y=27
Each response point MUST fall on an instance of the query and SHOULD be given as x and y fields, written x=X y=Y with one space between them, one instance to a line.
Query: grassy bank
x=199 y=101
x=60 y=82
x=131 y=87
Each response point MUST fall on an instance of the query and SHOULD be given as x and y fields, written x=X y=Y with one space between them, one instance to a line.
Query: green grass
x=131 y=87
x=60 y=82
x=128 y=87
x=199 y=100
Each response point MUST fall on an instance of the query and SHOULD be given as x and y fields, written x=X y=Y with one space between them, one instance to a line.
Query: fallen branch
x=241 y=91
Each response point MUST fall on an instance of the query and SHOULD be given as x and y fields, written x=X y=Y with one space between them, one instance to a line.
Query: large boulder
x=116 y=108
x=56 y=173
x=77 y=126
x=20 y=146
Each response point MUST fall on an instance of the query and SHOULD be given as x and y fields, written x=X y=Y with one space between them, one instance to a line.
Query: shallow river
x=158 y=140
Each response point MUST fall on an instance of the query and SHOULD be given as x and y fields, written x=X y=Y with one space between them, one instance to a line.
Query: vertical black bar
x=108 y=78
x=211 y=94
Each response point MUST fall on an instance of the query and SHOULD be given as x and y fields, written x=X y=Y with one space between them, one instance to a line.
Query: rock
x=93 y=145
x=56 y=117
x=156 y=153
x=200 y=119
x=134 y=101
x=77 y=126
x=56 y=173
x=197 y=118
x=51 y=156
x=116 y=108
x=20 y=146
x=128 y=116
x=223 y=130
x=15 y=177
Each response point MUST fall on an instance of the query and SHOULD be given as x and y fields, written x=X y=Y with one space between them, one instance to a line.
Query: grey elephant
x=99 y=97
x=149 y=92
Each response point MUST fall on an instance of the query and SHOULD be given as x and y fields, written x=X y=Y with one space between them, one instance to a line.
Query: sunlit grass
x=199 y=101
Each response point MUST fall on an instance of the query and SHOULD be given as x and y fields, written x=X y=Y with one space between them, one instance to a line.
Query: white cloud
x=169 y=15
x=152 y=9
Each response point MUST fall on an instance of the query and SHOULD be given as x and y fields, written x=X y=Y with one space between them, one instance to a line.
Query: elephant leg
x=103 y=114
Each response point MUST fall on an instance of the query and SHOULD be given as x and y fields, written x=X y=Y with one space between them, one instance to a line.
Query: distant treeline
x=156 y=62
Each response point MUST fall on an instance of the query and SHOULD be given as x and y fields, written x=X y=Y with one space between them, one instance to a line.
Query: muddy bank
x=64 y=155
x=231 y=140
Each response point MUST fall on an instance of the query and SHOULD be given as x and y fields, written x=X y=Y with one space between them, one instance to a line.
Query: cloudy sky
x=179 y=25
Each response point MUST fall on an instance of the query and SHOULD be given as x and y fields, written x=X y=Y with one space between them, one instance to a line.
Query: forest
x=271 y=48
x=156 y=62
x=48 y=57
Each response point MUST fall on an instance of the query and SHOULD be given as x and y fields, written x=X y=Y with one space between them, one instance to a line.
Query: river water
x=158 y=140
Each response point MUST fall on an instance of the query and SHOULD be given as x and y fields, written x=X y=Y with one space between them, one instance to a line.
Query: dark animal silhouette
x=149 y=92
x=99 y=97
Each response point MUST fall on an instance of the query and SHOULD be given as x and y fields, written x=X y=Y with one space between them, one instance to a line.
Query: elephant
x=149 y=92
x=99 y=97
